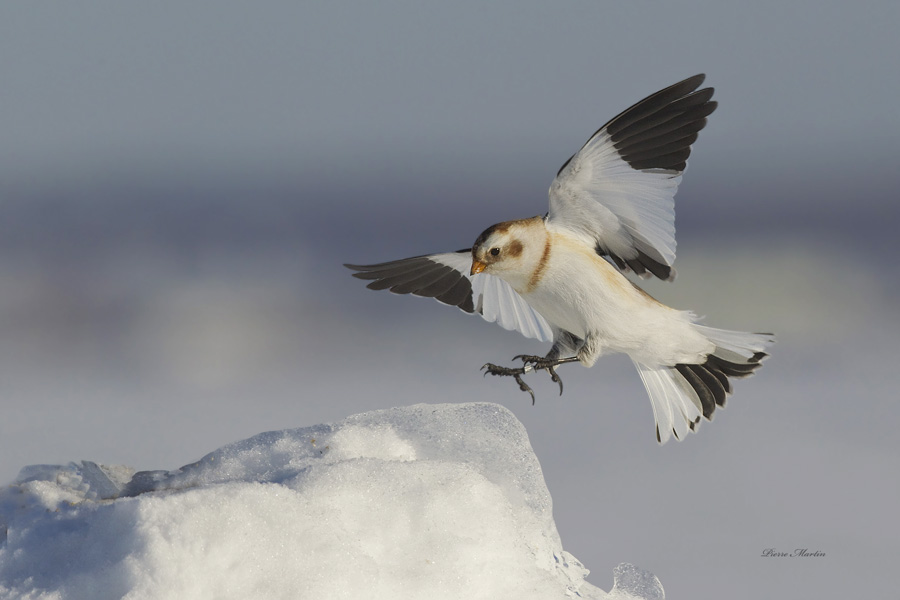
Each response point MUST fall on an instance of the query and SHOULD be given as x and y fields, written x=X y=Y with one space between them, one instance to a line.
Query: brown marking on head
x=499 y=227
x=515 y=248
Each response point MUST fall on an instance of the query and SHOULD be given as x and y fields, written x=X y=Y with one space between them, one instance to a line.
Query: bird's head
x=509 y=250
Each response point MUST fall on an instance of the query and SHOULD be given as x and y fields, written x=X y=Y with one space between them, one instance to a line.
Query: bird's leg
x=532 y=363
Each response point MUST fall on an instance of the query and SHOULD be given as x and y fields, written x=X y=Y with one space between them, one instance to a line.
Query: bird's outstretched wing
x=617 y=193
x=445 y=277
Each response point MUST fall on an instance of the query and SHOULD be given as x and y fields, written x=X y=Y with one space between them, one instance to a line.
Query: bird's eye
x=495 y=251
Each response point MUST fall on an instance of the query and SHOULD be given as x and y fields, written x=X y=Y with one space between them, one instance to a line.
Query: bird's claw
x=514 y=372
x=555 y=377
x=531 y=363
x=540 y=362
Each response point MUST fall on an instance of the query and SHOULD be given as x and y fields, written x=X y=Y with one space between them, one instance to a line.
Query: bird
x=566 y=277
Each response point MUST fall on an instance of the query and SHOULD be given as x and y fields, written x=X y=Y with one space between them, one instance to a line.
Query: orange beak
x=477 y=267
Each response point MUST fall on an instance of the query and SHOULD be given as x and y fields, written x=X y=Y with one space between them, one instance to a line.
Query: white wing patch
x=602 y=200
x=497 y=301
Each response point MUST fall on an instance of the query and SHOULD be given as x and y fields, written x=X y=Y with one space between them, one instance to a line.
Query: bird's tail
x=681 y=394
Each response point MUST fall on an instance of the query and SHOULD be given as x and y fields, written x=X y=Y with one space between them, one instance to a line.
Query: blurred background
x=180 y=184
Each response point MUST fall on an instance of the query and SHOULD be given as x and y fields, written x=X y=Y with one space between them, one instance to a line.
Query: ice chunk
x=443 y=501
x=632 y=583
x=90 y=480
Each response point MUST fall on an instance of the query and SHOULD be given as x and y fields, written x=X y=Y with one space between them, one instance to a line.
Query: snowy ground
x=439 y=501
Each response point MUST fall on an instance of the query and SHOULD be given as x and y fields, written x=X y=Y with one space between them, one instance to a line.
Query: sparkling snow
x=437 y=501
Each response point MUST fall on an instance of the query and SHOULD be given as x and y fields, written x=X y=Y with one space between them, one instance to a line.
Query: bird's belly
x=587 y=297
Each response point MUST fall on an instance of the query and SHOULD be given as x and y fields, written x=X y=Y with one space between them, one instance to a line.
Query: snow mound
x=437 y=501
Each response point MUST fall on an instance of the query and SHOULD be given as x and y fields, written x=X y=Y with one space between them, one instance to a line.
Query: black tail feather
x=710 y=380
x=707 y=400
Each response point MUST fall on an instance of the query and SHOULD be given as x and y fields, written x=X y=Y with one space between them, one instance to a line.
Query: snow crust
x=438 y=501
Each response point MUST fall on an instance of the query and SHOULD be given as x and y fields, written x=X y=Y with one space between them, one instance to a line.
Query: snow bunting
x=559 y=277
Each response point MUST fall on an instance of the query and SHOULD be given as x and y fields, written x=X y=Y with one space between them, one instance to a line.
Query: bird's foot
x=514 y=372
x=531 y=363
x=541 y=362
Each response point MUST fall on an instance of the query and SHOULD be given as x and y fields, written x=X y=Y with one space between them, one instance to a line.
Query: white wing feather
x=599 y=198
x=497 y=302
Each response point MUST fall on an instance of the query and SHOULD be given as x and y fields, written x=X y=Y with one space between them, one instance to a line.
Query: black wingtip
x=421 y=276
x=696 y=80
x=359 y=267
